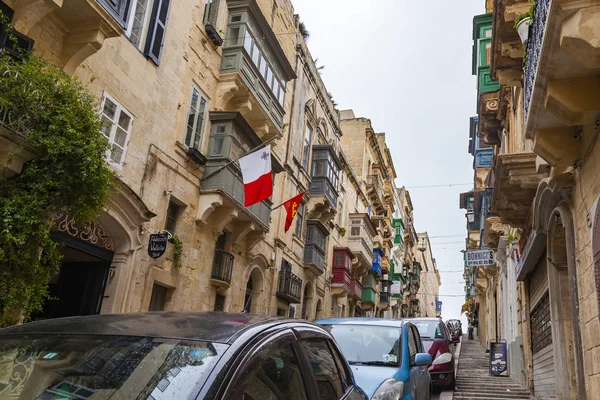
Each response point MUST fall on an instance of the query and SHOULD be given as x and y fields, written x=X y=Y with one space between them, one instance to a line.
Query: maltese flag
x=257 y=177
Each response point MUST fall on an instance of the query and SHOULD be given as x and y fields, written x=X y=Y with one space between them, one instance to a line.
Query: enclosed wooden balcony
x=342 y=271
x=360 y=241
x=561 y=80
x=254 y=70
x=80 y=26
x=221 y=199
x=315 y=246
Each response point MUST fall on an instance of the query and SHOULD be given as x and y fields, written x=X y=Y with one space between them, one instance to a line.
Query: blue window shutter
x=118 y=9
x=157 y=30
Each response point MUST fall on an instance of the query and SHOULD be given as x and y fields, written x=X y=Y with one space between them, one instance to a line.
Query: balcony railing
x=384 y=297
x=355 y=289
x=289 y=287
x=534 y=48
x=222 y=268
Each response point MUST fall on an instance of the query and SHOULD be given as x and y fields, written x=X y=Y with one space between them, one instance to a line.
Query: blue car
x=386 y=356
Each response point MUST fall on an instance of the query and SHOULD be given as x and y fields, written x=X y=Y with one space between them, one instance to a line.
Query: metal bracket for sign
x=169 y=234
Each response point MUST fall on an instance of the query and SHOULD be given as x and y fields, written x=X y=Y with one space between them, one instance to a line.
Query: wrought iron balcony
x=289 y=287
x=534 y=49
x=222 y=268
x=355 y=289
x=384 y=297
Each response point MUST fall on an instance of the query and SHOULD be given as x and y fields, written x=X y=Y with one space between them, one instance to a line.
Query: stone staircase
x=473 y=381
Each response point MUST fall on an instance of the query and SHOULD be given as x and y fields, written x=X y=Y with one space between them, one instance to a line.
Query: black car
x=171 y=355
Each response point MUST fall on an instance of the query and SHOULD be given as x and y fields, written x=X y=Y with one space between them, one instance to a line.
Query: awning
x=466 y=306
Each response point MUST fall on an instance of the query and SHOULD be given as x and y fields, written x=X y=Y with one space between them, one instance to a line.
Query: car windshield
x=366 y=344
x=102 y=367
x=429 y=329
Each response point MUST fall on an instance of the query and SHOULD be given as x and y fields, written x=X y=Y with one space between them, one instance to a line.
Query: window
x=158 y=298
x=157 y=29
x=368 y=343
x=300 y=220
x=138 y=23
x=211 y=11
x=118 y=9
x=116 y=127
x=219 y=302
x=326 y=374
x=172 y=215
x=147 y=25
x=273 y=374
x=306 y=151
x=195 y=120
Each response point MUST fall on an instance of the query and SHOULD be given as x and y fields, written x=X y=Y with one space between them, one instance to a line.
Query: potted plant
x=522 y=24
x=523 y=28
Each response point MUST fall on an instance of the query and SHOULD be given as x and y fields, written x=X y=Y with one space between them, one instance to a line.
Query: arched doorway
x=253 y=292
x=78 y=288
x=307 y=301
x=319 y=313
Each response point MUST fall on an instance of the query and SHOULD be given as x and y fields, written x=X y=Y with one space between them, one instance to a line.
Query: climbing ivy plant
x=57 y=119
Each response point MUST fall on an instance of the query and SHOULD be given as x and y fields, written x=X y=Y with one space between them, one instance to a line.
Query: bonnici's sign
x=478 y=258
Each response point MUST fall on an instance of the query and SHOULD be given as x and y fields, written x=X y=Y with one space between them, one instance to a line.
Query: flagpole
x=222 y=167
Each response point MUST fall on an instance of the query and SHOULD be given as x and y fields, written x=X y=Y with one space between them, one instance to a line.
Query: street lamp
x=422 y=245
x=470 y=216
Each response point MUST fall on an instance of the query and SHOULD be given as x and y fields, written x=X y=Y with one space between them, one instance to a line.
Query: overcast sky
x=406 y=65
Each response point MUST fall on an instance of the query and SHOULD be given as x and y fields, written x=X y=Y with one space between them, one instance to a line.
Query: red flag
x=257 y=177
x=291 y=206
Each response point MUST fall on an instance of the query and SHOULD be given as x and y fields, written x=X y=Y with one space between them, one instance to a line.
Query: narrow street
x=473 y=381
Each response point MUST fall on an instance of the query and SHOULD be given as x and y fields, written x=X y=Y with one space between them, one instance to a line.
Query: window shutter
x=157 y=30
x=213 y=12
x=118 y=9
x=7 y=14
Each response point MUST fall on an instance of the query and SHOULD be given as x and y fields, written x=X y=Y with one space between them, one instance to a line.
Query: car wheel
x=452 y=384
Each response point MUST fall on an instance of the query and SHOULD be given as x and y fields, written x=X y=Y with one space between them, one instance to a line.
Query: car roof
x=206 y=326
x=361 y=321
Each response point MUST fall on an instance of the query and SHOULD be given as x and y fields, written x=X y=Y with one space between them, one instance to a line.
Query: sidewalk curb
x=449 y=394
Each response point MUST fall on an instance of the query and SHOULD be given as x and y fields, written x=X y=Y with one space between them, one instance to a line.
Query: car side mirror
x=423 y=360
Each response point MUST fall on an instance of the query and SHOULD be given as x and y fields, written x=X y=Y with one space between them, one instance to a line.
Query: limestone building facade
x=184 y=89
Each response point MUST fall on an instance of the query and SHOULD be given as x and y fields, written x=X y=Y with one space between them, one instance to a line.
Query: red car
x=438 y=342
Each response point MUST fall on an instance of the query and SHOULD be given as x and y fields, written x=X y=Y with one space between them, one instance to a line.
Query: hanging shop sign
x=498 y=359
x=478 y=258
x=157 y=244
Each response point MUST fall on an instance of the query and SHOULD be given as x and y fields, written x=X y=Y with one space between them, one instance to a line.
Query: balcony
x=561 y=83
x=325 y=172
x=375 y=189
x=342 y=270
x=77 y=28
x=507 y=50
x=515 y=178
x=222 y=269
x=376 y=264
x=360 y=241
x=355 y=290
x=369 y=297
x=314 y=246
x=289 y=287
x=257 y=93
x=222 y=189
x=384 y=300
x=388 y=190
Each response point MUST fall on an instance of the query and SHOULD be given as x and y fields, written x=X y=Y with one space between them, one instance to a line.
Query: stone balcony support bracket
x=85 y=23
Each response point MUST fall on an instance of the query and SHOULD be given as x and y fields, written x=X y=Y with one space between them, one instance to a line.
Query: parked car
x=440 y=345
x=386 y=356
x=457 y=325
x=453 y=330
x=171 y=355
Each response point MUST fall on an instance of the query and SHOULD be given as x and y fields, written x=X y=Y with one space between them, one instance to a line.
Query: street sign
x=157 y=244
x=498 y=362
x=478 y=258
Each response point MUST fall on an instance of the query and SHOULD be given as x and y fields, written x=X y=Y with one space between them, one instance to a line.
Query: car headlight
x=443 y=359
x=390 y=389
